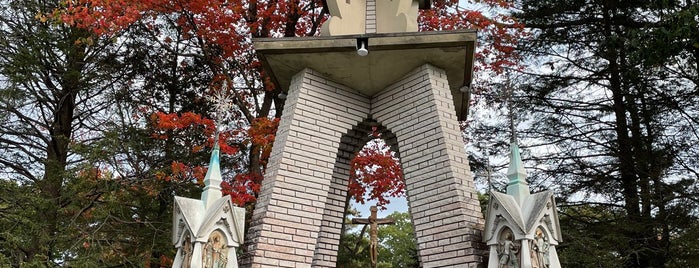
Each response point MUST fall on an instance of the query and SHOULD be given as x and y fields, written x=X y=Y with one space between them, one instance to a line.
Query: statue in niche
x=539 y=250
x=507 y=250
x=215 y=251
x=187 y=252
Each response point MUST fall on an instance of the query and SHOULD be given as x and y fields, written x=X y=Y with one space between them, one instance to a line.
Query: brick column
x=370 y=26
x=291 y=209
x=444 y=205
x=333 y=216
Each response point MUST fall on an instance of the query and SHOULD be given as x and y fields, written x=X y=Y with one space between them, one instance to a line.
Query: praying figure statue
x=507 y=252
x=539 y=250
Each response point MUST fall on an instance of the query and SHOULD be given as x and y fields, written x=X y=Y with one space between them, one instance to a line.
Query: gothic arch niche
x=372 y=155
x=187 y=251
x=333 y=226
x=508 y=249
x=540 y=246
x=215 y=251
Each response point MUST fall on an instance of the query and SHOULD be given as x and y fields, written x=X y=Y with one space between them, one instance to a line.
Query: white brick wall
x=418 y=109
x=332 y=218
x=297 y=188
x=370 y=26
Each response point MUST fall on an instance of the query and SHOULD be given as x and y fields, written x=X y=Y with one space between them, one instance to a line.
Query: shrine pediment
x=511 y=207
x=222 y=215
x=538 y=209
x=190 y=212
x=533 y=207
x=541 y=208
x=502 y=210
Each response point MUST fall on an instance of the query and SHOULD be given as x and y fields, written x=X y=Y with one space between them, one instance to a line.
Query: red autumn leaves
x=376 y=174
x=243 y=187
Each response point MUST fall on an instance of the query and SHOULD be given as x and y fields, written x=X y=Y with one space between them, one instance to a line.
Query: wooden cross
x=374 y=223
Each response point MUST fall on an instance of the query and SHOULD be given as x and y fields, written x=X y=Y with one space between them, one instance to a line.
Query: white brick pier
x=298 y=218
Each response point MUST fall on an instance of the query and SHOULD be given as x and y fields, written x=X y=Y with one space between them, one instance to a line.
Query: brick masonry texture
x=442 y=199
x=370 y=26
x=298 y=218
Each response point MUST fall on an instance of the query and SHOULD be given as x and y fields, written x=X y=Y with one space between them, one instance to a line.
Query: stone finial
x=517 y=186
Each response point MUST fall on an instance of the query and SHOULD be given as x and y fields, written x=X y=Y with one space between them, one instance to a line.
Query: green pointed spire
x=212 y=181
x=517 y=186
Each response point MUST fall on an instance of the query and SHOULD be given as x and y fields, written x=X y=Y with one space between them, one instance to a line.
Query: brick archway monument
x=410 y=85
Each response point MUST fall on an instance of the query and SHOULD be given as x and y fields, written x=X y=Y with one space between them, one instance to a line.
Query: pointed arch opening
x=368 y=153
x=508 y=251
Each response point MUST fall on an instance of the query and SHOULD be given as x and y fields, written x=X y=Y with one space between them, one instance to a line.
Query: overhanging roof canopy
x=390 y=57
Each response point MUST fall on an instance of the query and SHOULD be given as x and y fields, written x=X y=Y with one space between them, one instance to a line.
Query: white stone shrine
x=521 y=229
x=207 y=231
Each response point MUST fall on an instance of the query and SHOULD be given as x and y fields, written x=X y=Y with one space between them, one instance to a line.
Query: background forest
x=106 y=113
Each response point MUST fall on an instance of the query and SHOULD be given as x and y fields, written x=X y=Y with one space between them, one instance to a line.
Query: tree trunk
x=61 y=130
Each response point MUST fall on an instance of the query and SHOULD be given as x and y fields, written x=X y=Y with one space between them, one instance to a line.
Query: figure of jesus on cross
x=374 y=223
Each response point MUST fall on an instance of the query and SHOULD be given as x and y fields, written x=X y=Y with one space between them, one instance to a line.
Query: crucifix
x=374 y=223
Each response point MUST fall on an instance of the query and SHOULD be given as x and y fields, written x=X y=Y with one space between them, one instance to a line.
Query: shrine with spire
x=522 y=228
x=207 y=231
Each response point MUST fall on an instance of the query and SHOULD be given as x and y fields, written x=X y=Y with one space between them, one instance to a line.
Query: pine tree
x=613 y=100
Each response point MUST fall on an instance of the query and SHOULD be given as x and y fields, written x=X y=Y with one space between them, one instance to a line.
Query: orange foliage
x=174 y=125
x=243 y=188
x=211 y=20
x=92 y=174
x=221 y=23
x=262 y=133
x=181 y=172
x=165 y=261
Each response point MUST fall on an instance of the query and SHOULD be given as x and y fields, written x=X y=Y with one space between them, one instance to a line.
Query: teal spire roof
x=517 y=186
x=212 y=181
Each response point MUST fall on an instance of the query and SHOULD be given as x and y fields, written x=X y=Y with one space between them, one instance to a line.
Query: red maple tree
x=243 y=187
x=218 y=32
x=376 y=173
